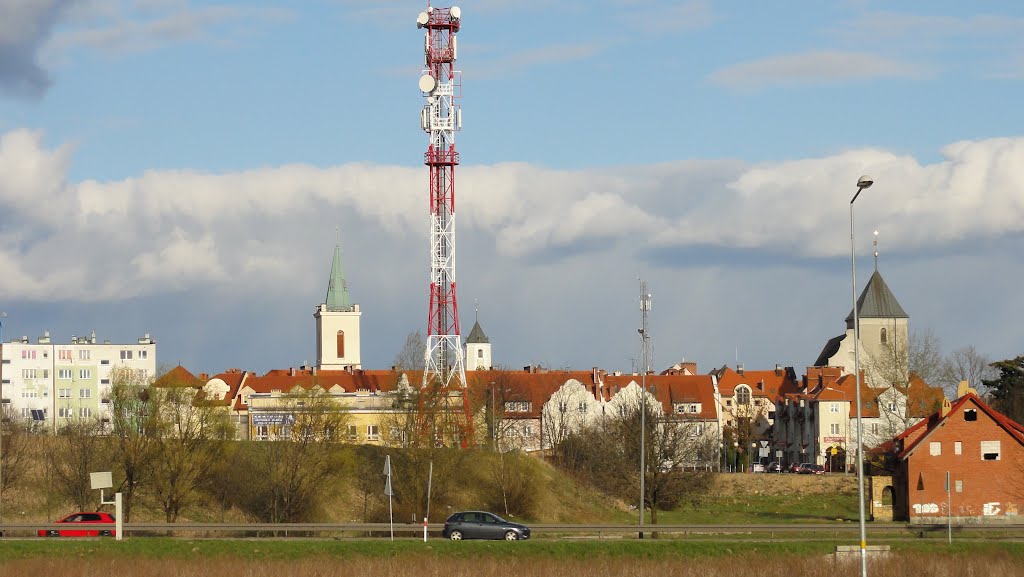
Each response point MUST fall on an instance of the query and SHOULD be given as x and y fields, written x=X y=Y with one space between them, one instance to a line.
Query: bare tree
x=134 y=421
x=512 y=483
x=967 y=364
x=14 y=444
x=924 y=356
x=302 y=459
x=73 y=453
x=190 y=434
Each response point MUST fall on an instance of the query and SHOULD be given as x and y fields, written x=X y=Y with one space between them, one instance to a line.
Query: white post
x=424 y=529
x=118 y=523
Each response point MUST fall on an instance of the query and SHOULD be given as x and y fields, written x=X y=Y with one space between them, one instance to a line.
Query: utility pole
x=645 y=307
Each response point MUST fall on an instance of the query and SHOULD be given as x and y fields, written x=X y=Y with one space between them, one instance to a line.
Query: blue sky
x=180 y=167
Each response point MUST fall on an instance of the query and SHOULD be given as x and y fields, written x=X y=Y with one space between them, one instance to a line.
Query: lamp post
x=3 y=315
x=862 y=183
x=645 y=306
x=753 y=447
x=735 y=455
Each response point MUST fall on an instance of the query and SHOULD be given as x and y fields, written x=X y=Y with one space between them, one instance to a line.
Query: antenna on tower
x=440 y=419
x=876 y=251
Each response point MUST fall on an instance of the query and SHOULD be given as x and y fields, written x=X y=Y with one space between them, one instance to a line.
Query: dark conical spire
x=337 y=288
x=877 y=301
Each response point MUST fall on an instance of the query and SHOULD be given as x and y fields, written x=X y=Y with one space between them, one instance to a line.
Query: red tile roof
x=765 y=384
x=914 y=436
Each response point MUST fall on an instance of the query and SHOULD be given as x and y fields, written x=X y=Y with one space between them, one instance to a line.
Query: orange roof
x=179 y=376
x=923 y=399
x=914 y=436
x=766 y=384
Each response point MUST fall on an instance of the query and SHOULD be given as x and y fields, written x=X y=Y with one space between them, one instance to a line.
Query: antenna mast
x=444 y=374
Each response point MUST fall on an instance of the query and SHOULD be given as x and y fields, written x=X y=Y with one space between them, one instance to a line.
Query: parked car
x=817 y=469
x=757 y=468
x=793 y=468
x=79 y=526
x=482 y=525
x=774 y=468
x=805 y=468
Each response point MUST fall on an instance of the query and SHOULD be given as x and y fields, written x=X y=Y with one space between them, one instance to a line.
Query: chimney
x=778 y=369
x=92 y=337
x=314 y=371
x=291 y=372
x=739 y=369
x=595 y=375
x=760 y=385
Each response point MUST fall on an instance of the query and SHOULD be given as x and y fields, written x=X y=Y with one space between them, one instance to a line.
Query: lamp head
x=865 y=181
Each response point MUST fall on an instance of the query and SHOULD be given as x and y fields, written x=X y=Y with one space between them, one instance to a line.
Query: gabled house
x=964 y=461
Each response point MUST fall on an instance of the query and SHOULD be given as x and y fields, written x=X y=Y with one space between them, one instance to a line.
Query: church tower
x=884 y=336
x=337 y=324
x=478 y=348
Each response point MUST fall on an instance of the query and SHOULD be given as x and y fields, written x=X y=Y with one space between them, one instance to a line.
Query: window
x=143 y=354
x=84 y=393
x=126 y=355
x=990 y=450
x=63 y=373
x=742 y=395
x=63 y=393
x=352 y=432
x=28 y=373
x=372 y=432
x=85 y=374
x=105 y=362
x=46 y=373
x=834 y=429
x=935 y=448
x=958 y=448
x=64 y=355
x=65 y=412
x=970 y=415
x=527 y=431
x=883 y=336
x=874 y=428
x=84 y=412
x=479 y=353
x=959 y=486
x=583 y=407
x=341 y=344
x=83 y=355
x=833 y=407
x=27 y=354
x=262 y=432
x=517 y=406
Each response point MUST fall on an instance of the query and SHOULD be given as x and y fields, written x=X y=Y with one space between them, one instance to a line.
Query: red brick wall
x=990 y=489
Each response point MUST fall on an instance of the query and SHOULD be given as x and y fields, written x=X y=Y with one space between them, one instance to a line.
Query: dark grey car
x=482 y=525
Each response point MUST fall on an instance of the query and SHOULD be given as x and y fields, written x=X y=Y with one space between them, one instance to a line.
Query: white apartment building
x=48 y=383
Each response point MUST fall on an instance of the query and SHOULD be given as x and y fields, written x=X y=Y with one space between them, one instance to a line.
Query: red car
x=80 y=526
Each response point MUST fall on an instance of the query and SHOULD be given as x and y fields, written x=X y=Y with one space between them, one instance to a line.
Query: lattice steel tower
x=444 y=404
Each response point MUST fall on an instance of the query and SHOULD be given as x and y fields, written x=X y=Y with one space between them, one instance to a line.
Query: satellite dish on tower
x=427 y=83
x=455 y=12
x=422 y=20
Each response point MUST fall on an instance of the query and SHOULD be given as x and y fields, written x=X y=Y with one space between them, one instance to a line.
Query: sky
x=185 y=168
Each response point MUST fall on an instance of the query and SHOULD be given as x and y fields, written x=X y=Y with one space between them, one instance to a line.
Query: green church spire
x=337 y=288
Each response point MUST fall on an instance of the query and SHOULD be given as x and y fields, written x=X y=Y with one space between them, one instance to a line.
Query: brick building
x=981 y=450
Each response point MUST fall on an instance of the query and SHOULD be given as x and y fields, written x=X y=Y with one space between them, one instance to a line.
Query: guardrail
x=285 y=529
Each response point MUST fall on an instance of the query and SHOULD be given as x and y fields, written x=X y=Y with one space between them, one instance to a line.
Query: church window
x=883 y=336
x=479 y=353
x=341 y=344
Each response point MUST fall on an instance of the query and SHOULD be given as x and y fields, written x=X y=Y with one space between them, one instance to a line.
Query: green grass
x=790 y=508
x=158 y=548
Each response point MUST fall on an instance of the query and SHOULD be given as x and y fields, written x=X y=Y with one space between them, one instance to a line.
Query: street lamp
x=645 y=306
x=862 y=183
x=735 y=455
x=3 y=316
x=753 y=447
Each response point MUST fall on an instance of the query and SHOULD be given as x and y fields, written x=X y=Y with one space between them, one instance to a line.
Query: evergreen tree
x=1007 y=390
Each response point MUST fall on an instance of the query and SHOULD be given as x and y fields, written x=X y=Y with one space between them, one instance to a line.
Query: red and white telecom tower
x=444 y=375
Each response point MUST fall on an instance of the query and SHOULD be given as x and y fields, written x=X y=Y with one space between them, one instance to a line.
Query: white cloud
x=814 y=67
x=138 y=25
x=168 y=230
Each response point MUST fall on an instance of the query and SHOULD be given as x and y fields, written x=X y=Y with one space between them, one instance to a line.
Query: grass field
x=159 y=557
